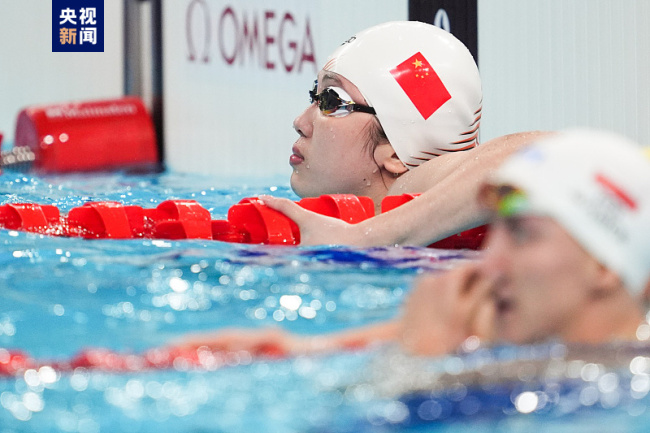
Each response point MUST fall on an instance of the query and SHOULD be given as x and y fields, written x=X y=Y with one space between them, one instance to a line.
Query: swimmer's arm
x=449 y=186
x=277 y=342
x=448 y=205
x=350 y=339
x=440 y=313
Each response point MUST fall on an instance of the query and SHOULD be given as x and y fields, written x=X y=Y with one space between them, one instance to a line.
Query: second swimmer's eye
x=521 y=230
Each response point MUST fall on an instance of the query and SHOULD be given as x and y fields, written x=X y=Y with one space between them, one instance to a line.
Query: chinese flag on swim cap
x=421 y=84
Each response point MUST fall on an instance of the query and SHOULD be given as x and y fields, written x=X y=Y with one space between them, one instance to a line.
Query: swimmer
x=567 y=257
x=396 y=109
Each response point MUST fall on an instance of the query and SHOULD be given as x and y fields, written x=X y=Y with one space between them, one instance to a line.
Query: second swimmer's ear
x=386 y=158
x=607 y=282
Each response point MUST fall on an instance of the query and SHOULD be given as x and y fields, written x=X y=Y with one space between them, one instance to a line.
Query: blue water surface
x=59 y=296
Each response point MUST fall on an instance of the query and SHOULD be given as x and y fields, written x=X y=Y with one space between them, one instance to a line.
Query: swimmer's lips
x=296 y=157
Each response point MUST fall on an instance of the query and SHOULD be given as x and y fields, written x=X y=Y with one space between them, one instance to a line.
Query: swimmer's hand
x=446 y=309
x=315 y=229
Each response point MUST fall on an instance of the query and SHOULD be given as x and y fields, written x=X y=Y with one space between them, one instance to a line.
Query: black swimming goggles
x=330 y=103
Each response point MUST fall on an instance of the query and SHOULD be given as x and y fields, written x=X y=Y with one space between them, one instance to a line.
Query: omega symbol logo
x=442 y=20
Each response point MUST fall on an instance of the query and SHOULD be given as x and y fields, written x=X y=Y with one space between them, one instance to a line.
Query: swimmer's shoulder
x=512 y=141
x=490 y=153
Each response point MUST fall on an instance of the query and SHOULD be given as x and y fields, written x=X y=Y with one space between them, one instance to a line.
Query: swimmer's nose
x=303 y=124
x=297 y=128
x=497 y=252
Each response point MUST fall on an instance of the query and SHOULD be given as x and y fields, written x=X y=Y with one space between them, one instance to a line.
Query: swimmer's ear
x=607 y=282
x=386 y=158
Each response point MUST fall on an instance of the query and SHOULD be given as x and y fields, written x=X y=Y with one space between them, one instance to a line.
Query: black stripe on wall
x=457 y=16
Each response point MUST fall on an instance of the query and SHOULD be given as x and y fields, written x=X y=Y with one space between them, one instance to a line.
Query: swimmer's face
x=330 y=155
x=544 y=278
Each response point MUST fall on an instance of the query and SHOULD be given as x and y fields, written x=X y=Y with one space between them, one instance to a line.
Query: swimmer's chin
x=295 y=186
x=302 y=189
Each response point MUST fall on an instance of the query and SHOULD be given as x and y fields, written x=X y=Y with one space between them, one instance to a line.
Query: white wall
x=545 y=65
x=30 y=73
x=558 y=63
x=236 y=119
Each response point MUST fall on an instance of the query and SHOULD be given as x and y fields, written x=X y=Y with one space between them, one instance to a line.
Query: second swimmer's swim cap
x=422 y=82
x=596 y=185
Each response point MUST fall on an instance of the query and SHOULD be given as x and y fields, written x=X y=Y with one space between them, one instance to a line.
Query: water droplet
x=58 y=310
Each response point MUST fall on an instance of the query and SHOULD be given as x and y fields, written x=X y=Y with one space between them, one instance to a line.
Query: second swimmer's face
x=330 y=155
x=543 y=279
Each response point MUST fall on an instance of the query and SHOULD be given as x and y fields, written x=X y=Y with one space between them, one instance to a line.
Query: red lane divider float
x=28 y=217
x=181 y=219
x=101 y=220
x=16 y=362
x=80 y=136
x=249 y=221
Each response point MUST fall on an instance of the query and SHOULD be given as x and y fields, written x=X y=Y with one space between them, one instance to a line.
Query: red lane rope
x=249 y=221
x=15 y=362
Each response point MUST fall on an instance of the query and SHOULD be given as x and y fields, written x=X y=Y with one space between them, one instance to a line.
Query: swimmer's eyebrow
x=331 y=78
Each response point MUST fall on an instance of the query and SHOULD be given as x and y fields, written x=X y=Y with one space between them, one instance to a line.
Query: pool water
x=60 y=296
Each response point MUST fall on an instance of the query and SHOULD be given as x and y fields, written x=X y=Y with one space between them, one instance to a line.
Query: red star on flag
x=421 y=84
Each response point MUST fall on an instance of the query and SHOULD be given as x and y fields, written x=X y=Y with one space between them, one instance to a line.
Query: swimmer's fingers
x=289 y=208
x=478 y=305
x=445 y=309
x=433 y=316
x=474 y=286
x=315 y=229
x=463 y=290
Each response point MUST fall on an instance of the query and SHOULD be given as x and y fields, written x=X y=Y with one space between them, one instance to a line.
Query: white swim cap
x=595 y=184
x=422 y=82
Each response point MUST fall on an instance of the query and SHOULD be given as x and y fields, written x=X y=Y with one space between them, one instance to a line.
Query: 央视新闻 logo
x=77 y=25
